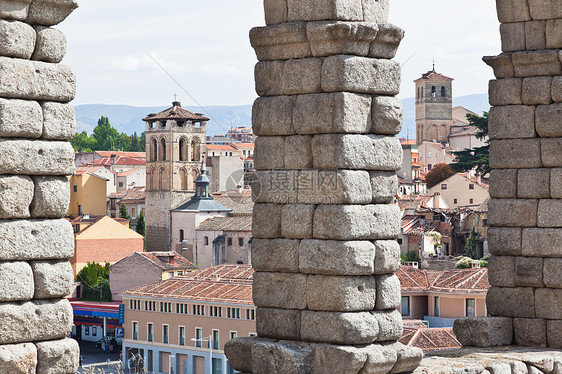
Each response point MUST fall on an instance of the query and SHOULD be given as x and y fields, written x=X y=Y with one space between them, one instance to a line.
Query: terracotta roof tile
x=120 y=160
x=122 y=154
x=175 y=112
x=237 y=223
x=430 y=339
x=168 y=260
x=465 y=281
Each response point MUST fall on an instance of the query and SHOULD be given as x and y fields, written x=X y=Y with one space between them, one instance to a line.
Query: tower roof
x=432 y=75
x=175 y=112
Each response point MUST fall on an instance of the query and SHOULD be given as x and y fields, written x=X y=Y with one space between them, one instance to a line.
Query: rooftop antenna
x=434 y=65
x=175 y=97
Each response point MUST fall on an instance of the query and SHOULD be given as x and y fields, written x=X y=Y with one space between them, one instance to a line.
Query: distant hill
x=128 y=119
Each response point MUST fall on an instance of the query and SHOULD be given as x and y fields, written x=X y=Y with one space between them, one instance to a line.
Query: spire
x=202 y=166
x=434 y=66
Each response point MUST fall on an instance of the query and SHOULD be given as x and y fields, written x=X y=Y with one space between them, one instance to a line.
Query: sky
x=139 y=52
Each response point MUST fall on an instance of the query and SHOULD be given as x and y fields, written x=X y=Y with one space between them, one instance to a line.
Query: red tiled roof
x=465 y=281
x=122 y=154
x=237 y=223
x=224 y=272
x=433 y=76
x=221 y=147
x=407 y=142
x=168 y=260
x=175 y=112
x=243 y=145
x=412 y=279
x=135 y=193
x=128 y=172
x=430 y=339
x=81 y=170
x=120 y=160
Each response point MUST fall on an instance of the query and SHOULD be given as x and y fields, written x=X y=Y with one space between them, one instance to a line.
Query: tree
x=95 y=278
x=439 y=173
x=470 y=246
x=140 y=224
x=477 y=157
x=105 y=135
x=83 y=143
x=123 y=212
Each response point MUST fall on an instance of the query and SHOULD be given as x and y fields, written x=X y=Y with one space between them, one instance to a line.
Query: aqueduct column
x=324 y=227
x=35 y=241
x=525 y=128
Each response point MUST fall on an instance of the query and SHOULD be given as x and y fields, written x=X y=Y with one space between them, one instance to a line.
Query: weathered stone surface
x=547 y=215
x=16 y=39
x=51 y=197
x=274 y=186
x=269 y=152
x=340 y=38
x=381 y=359
x=511 y=302
x=368 y=152
x=239 y=352
x=543 y=9
x=505 y=91
x=50 y=45
x=340 y=293
x=529 y=332
x=536 y=63
x=269 y=218
x=508 y=154
x=42 y=157
x=50 y=12
x=279 y=290
x=528 y=271
x=59 y=121
x=503 y=183
x=536 y=90
x=361 y=75
x=334 y=187
x=533 y=183
x=512 y=10
x=552 y=277
x=502 y=65
x=298 y=152
x=296 y=221
x=553 y=35
x=14 y=9
x=387 y=256
x=542 y=242
x=52 y=278
x=548 y=119
x=338 y=328
x=302 y=76
x=327 y=113
x=319 y=10
x=376 y=11
x=268 y=75
x=58 y=356
x=324 y=257
x=504 y=241
x=36 y=239
x=501 y=271
x=35 y=320
x=16 y=194
x=390 y=325
x=275 y=12
x=36 y=80
x=280 y=42
x=16 y=281
x=352 y=222
x=282 y=357
x=387 y=41
x=512 y=121
x=384 y=185
x=388 y=292
x=386 y=115
x=278 y=323
x=275 y=255
x=554 y=334
x=512 y=212
x=535 y=35
x=273 y=115
x=556 y=183
x=512 y=36
x=338 y=359
x=551 y=152
x=18 y=358
x=408 y=358
x=548 y=303
x=484 y=331
x=20 y=119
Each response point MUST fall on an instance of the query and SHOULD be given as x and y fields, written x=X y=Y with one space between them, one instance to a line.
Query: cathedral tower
x=434 y=105
x=175 y=147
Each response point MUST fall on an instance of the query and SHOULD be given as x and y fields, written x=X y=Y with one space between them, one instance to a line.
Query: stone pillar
x=525 y=128
x=36 y=121
x=324 y=224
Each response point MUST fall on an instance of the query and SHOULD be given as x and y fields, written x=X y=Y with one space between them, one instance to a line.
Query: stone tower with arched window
x=175 y=147
x=434 y=105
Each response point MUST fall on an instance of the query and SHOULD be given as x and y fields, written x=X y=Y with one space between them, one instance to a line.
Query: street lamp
x=170 y=370
x=210 y=340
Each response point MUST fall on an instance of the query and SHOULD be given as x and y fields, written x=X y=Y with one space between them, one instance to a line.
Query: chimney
x=112 y=158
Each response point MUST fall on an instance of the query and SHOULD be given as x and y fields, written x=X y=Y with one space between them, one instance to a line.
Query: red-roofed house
x=88 y=191
x=83 y=158
x=430 y=339
x=460 y=190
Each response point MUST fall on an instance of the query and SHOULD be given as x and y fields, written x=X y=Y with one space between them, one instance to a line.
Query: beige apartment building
x=185 y=321
x=461 y=190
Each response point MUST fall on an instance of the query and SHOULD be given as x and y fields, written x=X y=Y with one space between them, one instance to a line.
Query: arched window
x=183 y=149
x=183 y=179
x=154 y=150
x=195 y=150
x=194 y=175
x=181 y=235
x=443 y=91
x=161 y=179
x=432 y=91
x=162 y=149
x=153 y=179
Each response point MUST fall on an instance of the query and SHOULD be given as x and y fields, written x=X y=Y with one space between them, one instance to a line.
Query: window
x=233 y=335
x=400 y=241
x=229 y=241
x=205 y=240
x=454 y=201
x=120 y=184
x=240 y=242
x=432 y=91
x=217 y=366
x=471 y=201
x=428 y=166
x=165 y=329
x=75 y=188
x=436 y=306
x=443 y=91
x=485 y=222
x=470 y=306
x=215 y=339
x=171 y=274
x=135 y=330
x=181 y=236
x=405 y=305
x=428 y=154
x=444 y=186
x=150 y=332
x=182 y=335
x=198 y=336
x=180 y=273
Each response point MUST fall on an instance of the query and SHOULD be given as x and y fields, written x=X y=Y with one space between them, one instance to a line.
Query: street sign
x=119 y=332
x=121 y=313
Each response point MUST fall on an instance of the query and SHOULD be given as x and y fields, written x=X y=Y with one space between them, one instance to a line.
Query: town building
x=140 y=268
x=83 y=158
x=119 y=163
x=94 y=321
x=225 y=172
x=461 y=190
x=433 y=153
x=134 y=202
x=185 y=321
x=241 y=134
x=463 y=135
x=175 y=146
x=88 y=191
